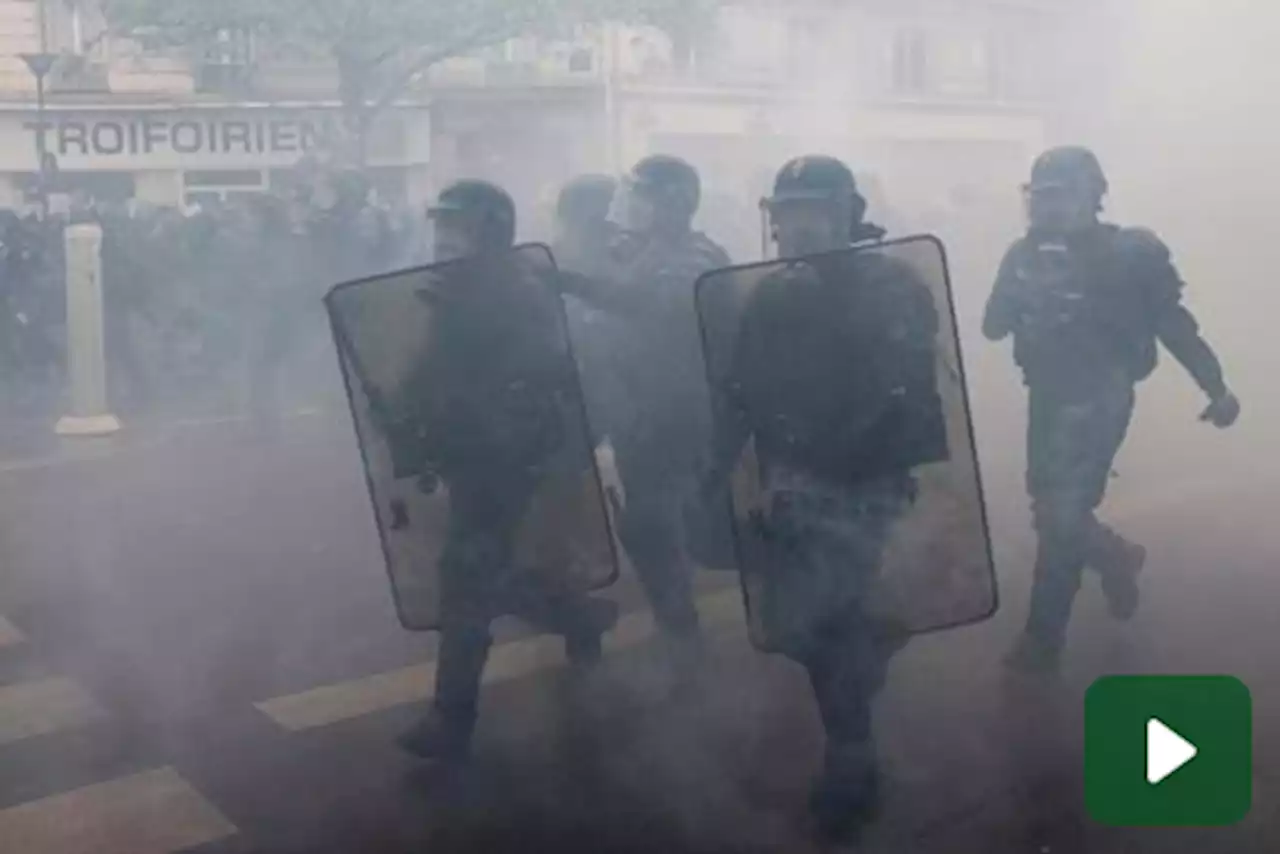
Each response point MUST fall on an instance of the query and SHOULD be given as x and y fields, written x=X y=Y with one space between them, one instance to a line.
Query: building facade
x=943 y=102
x=118 y=121
x=939 y=100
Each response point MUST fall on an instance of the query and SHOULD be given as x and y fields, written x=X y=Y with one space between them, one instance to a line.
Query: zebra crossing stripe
x=156 y=812
x=331 y=704
x=39 y=707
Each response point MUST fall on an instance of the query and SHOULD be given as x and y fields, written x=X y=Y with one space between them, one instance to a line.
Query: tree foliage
x=379 y=46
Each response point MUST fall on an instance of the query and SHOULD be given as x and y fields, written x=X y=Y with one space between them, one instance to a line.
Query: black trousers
x=1072 y=442
x=848 y=662
x=652 y=530
x=825 y=545
x=479 y=582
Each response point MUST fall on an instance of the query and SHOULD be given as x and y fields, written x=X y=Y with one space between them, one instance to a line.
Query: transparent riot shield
x=472 y=430
x=845 y=442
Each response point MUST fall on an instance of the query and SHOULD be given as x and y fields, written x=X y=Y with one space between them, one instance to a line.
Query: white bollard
x=86 y=347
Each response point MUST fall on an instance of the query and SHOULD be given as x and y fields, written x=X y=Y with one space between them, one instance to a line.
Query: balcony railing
x=137 y=72
x=710 y=75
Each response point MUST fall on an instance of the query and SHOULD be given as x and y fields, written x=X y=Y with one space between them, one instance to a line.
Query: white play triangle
x=1166 y=751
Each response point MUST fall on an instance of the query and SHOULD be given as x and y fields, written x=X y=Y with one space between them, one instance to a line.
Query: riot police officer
x=583 y=236
x=583 y=230
x=491 y=414
x=1086 y=303
x=657 y=419
x=832 y=375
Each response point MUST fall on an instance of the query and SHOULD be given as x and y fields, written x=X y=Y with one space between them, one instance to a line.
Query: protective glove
x=1223 y=411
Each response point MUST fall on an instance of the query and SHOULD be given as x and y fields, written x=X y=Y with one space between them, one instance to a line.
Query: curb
x=69 y=451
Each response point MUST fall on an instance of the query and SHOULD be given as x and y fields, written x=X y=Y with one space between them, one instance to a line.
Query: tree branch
x=424 y=60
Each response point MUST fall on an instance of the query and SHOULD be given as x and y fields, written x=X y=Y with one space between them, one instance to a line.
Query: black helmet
x=814 y=177
x=586 y=199
x=488 y=204
x=1069 y=165
x=671 y=178
x=822 y=178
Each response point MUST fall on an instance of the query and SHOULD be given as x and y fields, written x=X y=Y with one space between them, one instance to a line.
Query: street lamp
x=40 y=64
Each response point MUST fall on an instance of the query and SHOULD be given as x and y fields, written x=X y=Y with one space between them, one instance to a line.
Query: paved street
x=198 y=653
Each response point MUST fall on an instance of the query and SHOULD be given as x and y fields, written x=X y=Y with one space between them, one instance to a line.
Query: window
x=962 y=65
x=112 y=187
x=809 y=42
x=1019 y=69
x=230 y=47
x=910 y=61
x=223 y=185
x=227 y=62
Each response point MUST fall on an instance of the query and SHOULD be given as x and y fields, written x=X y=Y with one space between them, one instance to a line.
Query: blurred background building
x=939 y=99
x=121 y=118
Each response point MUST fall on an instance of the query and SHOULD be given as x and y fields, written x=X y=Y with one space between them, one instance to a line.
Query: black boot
x=1033 y=655
x=1118 y=561
x=1059 y=563
x=847 y=796
x=440 y=736
x=445 y=733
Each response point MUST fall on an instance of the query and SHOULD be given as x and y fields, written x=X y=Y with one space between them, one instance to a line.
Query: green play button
x=1168 y=751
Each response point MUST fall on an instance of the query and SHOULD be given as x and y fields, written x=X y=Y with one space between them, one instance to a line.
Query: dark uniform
x=658 y=418
x=491 y=412
x=581 y=248
x=1086 y=303
x=833 y=375
x=583 y=230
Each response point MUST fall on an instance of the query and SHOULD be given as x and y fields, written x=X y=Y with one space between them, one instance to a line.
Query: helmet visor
x=453 y=233
x=1058 y=206
x=807 y=225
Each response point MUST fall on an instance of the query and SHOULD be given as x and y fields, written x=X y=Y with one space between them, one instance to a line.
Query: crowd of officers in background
x=204 y=307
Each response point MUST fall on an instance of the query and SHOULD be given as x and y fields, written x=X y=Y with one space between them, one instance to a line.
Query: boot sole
x=446 y=758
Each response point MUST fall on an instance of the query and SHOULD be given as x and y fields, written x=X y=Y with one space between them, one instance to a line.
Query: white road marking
x=74 y=451
x=40 y=707
x=80 y=455
x=330 y=704
x=352 y=699
x=156 y=812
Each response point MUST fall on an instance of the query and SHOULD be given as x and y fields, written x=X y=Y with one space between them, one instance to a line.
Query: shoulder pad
x=1143 y=243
